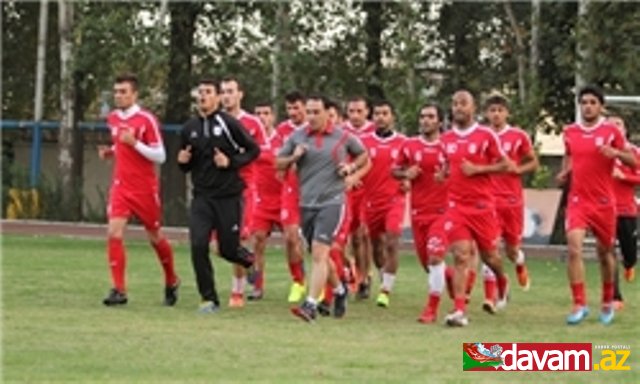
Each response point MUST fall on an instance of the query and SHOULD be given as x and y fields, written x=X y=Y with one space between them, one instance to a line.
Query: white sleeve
x=155 y=153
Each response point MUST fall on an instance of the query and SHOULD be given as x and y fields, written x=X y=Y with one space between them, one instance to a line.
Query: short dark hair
x=496 y=99
x=263 y=104
x=231 y=78
x=294 y=96
x=128 y=77
x=355 y=99
x=437 y=107
x=385 y=103
x=319 y=97
x=210 y=81
x=592 y=89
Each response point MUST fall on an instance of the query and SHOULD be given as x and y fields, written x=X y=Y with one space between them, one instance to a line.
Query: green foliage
x=542 y=178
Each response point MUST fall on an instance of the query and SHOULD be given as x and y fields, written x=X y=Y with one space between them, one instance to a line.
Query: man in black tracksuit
x=214 y=147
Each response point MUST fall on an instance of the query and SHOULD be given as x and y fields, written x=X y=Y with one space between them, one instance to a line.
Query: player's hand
x=105 y=152
x=440 y=175
x=220 y=159
x=512 y=167
x=345 y=169
x=405 y=185
x=352 y=182
x=299 y=151
x=468 y=168
x=126 y=136
x=412 y=172
x=609 y=151
x=184 y=156
x=618 y=174
x=562 y=177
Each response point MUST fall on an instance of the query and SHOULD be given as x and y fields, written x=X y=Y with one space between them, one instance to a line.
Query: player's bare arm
x=285 y=162
x=625 y=155
x=105 y=152
x=530 y=163
x=471 y=169
x=561 y=177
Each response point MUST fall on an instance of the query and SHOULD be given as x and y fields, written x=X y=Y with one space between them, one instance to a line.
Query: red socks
x=117 y=262
x=607 y=292
x=579 y=294
x=296 y=271
x=165 y=256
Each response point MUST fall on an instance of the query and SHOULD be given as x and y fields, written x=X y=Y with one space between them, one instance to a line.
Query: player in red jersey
x=508 y=192
x=357 y=123
x=421 y=163
x=591 y=149
x=384 y=201
x=473 y=154
x=335 y=113
x=625 y=179
x=232 y=94
x=290 y=197
x=137 y=148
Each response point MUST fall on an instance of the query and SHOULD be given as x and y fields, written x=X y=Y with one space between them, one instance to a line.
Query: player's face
x=590 y=107
x=618 y=122
x=357 y=112
x=383 y=117
x=208 y=99
x=463 y=108
x=124 y=96
x=334 y=116
x=429 y=121
x=295 y=112
x=265 y=114
x=497 y=114
x=231 y=96
x=316 y=114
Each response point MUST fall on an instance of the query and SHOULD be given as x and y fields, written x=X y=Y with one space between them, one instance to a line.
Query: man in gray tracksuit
x=321 y=153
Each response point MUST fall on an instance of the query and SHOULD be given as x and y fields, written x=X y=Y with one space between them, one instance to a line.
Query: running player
x=507 y=188
x=384 y=200
x=592 y=146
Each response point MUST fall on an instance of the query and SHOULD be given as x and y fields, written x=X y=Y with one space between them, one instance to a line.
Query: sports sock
x=490 y=284
x=578 y=293
x=388 y=279
x=117 y=262
x=607 y=293
x=165 y=256
x=436 y=278
x=296 y=271
x=471 y=280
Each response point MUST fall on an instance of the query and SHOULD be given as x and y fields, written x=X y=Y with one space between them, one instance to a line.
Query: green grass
x=55 y=328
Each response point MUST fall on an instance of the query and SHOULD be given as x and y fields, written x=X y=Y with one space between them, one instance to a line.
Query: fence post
x=36 y=153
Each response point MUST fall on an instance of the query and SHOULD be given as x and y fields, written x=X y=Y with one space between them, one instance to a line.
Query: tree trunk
x=534 y=59
x=180 y=82
x=373 y=29
x=520 y=52
x=67 y=107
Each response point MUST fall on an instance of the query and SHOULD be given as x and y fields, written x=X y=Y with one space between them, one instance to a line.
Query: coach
x=214 y=148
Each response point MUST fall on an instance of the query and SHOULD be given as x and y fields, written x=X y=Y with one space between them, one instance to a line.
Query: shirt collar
x=127 y=113
x=328 y=129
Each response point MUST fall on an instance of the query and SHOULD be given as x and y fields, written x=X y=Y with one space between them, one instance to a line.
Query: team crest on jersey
x=217 y=130
x=473 y=148
x=394 y=153
x=506 y=147
x=372 y=152
x=599 y=141
x=452 y=147
x=418 y=156
x=193 y=135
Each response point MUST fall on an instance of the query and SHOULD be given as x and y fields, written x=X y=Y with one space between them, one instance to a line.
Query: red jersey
x=591 y=180
x=507 y=186
x=367 y=128
x=132 y=171
x=268 y=185
x=379 y=183
x=427 y=195
x=291 y=189
x=478 y=145
x=254 y=127
x=624 y=189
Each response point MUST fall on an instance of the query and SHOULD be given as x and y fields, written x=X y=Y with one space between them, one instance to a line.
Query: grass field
x=55 y=328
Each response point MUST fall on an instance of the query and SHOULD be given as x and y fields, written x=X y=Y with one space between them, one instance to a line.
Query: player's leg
x=436 y=247
x=201 y=224
x=260 y=237
x=295 y=261
x=628 y=239
x=149 y=211
x=603 y=223
x=118 y=212
x=512 y=234
x=576 y=275
x=239 y=278
x=461 y=250
x=393 y=230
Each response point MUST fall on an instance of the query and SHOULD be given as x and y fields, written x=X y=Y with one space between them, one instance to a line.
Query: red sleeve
x=494 y=150
x=404 y=155
x=630 y=176
x=527 y=146
x=151 y=135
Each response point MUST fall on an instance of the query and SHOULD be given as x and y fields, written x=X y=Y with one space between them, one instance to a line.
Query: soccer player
x=421 y=163
x=384 y=200
x=592 y=146
x=357 y=123
x=473 y=154
x=231 y=97
x=137 y=148
x=335 y=113
x=320 y=152
x=625 y=179
x=290 y=197
x=507 y=188
x=214 y=148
